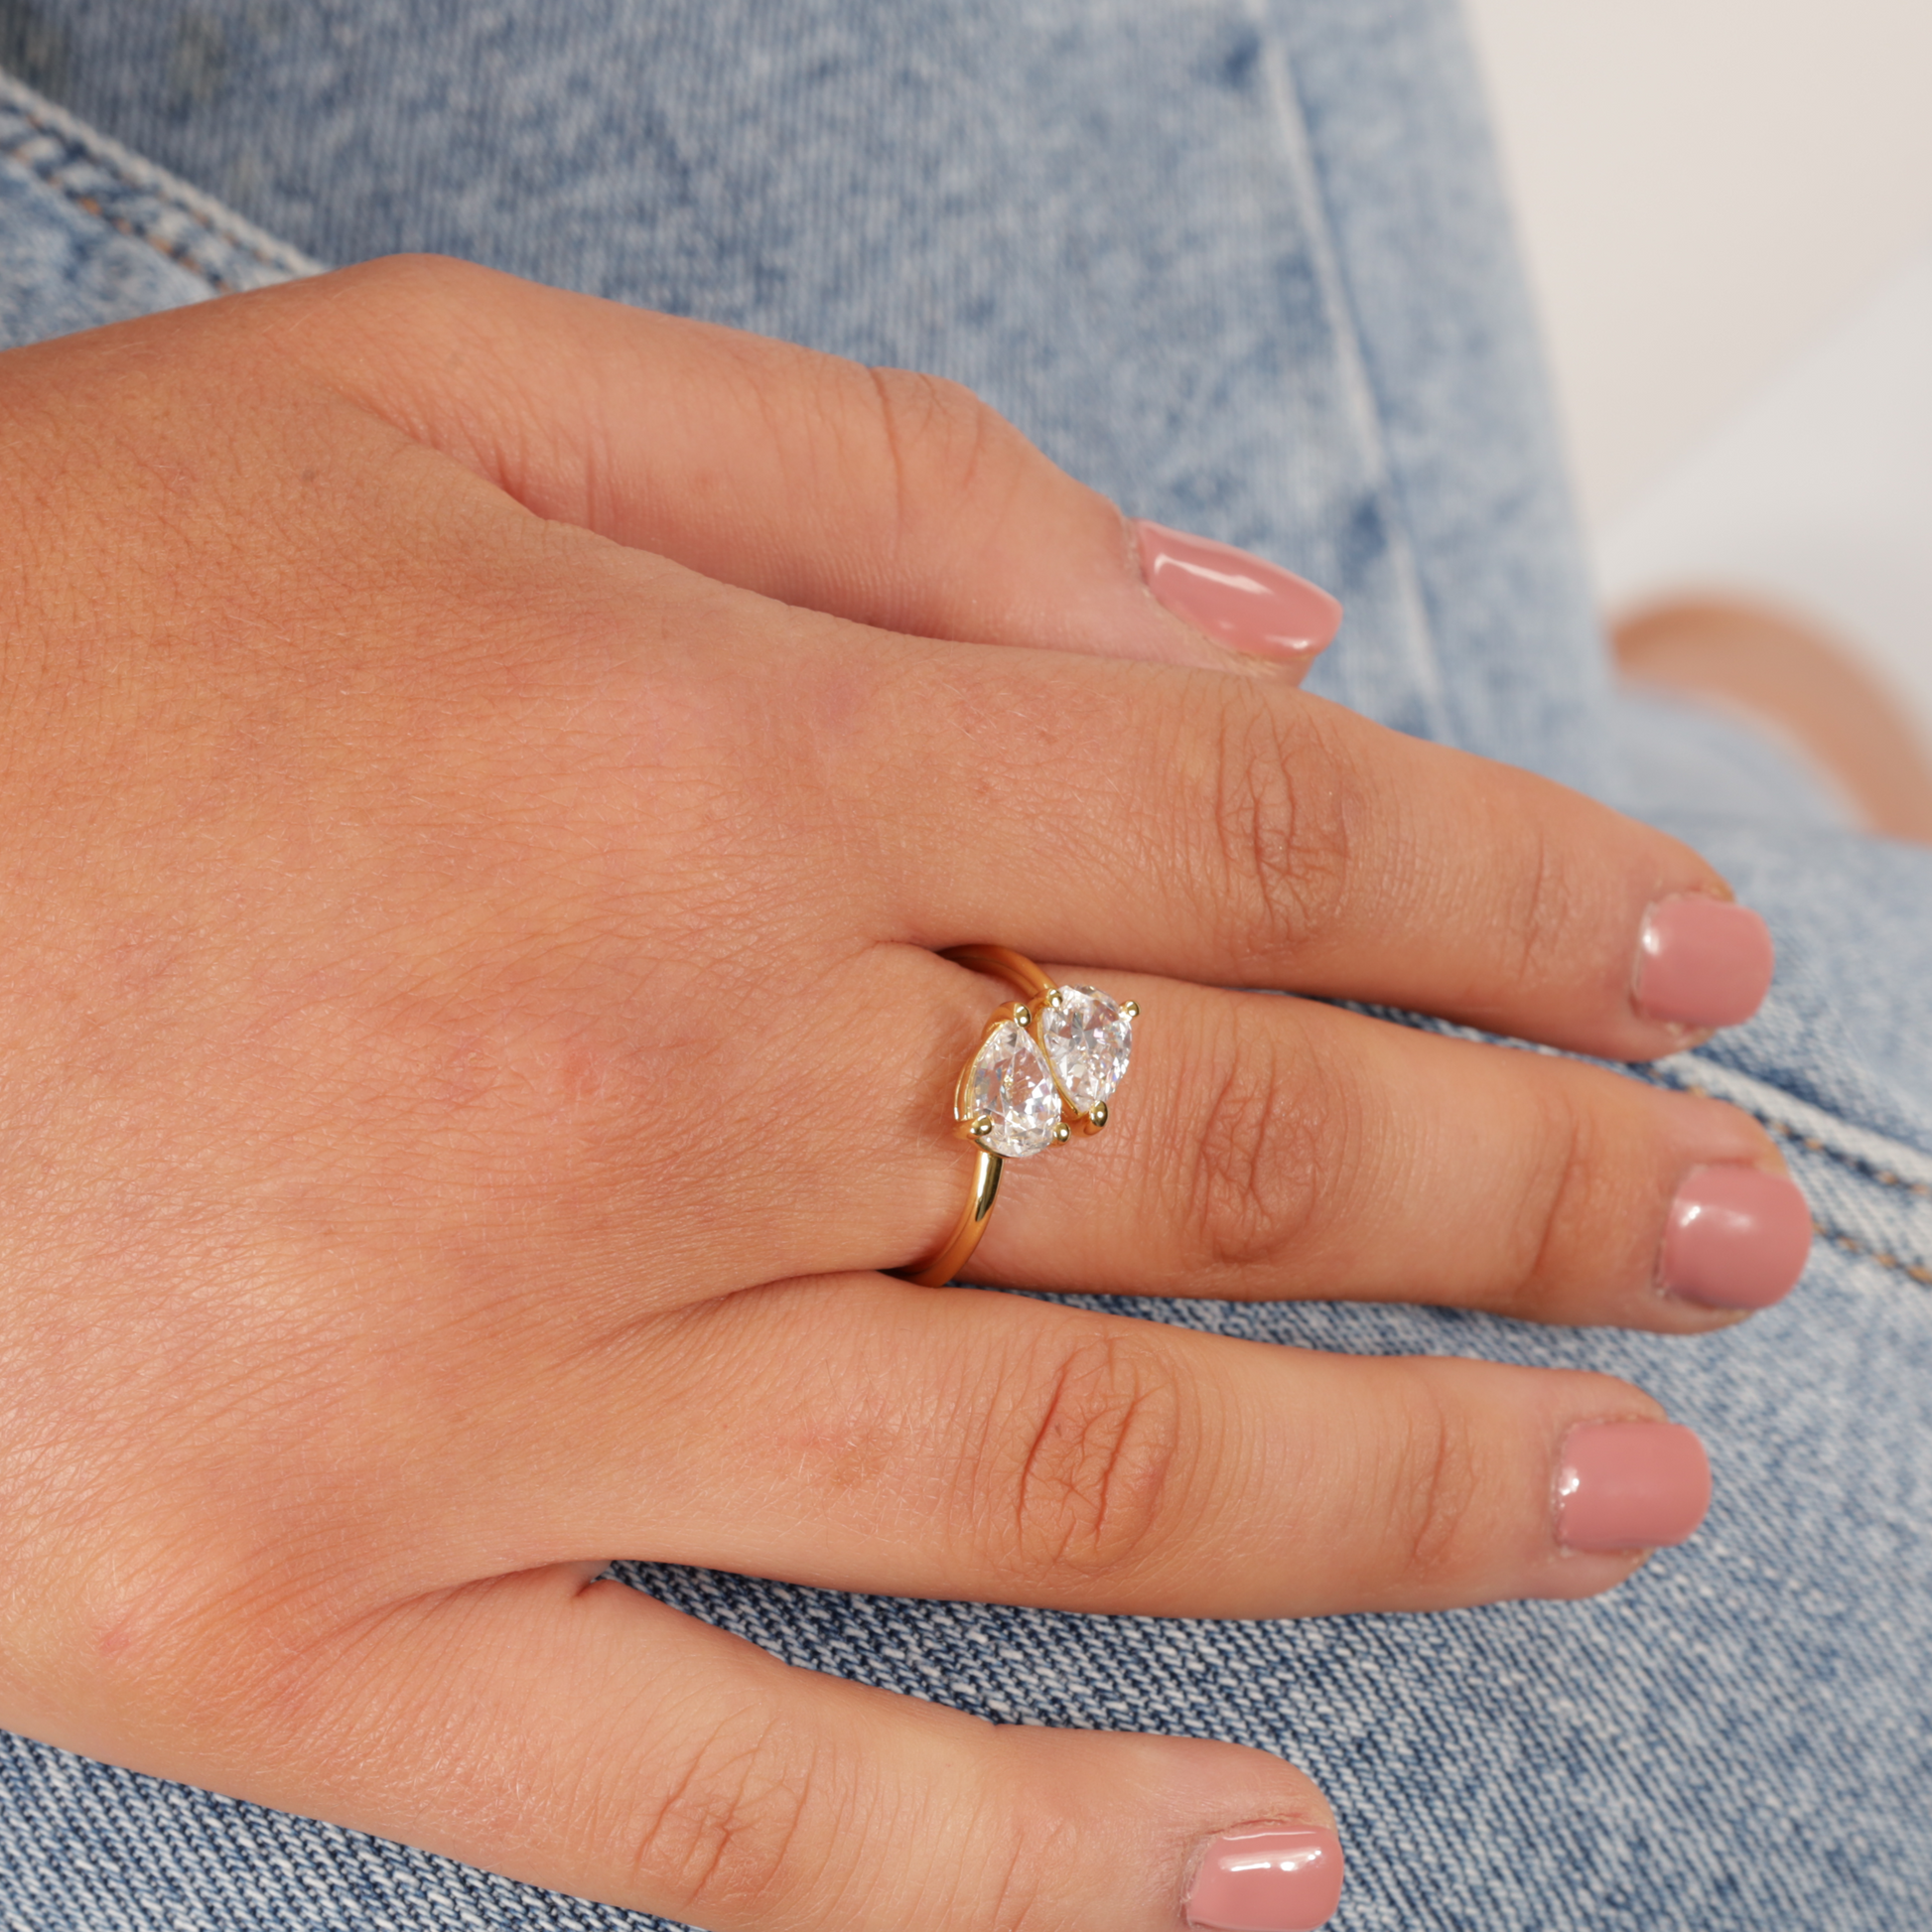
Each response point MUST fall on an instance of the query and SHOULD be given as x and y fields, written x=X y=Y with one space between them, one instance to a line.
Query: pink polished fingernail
x=1630 y=1485
x=1246 y=604
x=1701 y=962
x=1267 y=1879
x=1737 y=1238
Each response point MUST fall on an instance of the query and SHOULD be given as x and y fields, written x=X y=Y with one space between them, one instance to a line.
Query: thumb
x=876 y=495
x=594 y=1740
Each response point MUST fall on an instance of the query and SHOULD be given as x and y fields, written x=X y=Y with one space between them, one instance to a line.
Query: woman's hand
x=486 y=777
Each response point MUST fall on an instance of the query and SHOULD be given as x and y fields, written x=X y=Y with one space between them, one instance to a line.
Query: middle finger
x=1216 y=829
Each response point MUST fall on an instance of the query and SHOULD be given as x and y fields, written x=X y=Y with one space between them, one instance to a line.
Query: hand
x=485 y=779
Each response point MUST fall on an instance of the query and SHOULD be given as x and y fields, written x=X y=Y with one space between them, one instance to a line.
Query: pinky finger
x=588 y=1738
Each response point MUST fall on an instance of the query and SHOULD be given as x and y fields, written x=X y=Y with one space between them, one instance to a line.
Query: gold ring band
x=1044 y=1069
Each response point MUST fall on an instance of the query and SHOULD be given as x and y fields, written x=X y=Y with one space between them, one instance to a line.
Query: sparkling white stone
x=1088 y=1038
x=1012 y=1086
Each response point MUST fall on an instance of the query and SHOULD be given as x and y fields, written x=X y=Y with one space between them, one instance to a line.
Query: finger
x=1263 y=1147
x=888 y=498
x=1225 y=831
x=593 y=1741
x=863 y=1434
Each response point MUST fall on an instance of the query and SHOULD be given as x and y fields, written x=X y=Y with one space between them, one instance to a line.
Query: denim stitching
x=89 y=206
x=1685 y=1074
x=1679 y=1076
x=1784 y=1131
x=73 y=148
x=55 y=142
x=1866 y=1251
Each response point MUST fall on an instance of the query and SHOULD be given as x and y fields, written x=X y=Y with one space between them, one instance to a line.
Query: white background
x=1726 y=210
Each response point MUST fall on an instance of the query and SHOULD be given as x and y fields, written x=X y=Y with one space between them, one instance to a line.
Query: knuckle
x=941 y=417
x=441 y=274
x=416 y=314
x=1019 y=1895
x=180 y=1630
x=1437 y=1508
x=944 y=447
x=724 y=1837
x=1569 y=1201
x=1260 y=1157
x=1084 y=1462
x=147 y=1628
x=417 y=288
x=1277 y=828
x=1540 y=911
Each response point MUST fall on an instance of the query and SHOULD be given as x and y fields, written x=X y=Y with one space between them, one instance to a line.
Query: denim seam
x=1780 y=1116
x=1291 y=123
x=1857 y=1163
x=56 y=141
x=1879 y=1258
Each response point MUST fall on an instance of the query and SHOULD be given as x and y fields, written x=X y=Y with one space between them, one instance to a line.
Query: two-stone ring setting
x=1046 y=1068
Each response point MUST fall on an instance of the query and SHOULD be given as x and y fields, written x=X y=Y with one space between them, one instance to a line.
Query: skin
x=1806 y=688
x=487 y=774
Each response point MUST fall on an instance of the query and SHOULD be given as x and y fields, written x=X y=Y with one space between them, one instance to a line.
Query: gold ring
x=1046 y=1067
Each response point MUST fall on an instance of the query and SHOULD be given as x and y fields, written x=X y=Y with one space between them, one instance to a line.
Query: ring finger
x=1272 y=1148
x=1263 y=1147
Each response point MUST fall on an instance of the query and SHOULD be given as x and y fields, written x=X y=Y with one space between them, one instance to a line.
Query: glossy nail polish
x=1737 y=1238
x=1267 y=1879
x=1701 y=962
x=1630 y=1485
x=1240 y=601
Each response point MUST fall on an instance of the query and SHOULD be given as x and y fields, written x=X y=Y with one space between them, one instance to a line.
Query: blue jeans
x=1242 y=264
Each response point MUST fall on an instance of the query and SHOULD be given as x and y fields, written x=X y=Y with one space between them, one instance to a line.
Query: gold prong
x=1131 y=1009
x=1098 y=1117
x=983 y=1125
x=1021 y=1018
x=1052 y=998
x=1062 y=1134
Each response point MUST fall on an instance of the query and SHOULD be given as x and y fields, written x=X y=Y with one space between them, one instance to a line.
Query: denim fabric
x=1243 y=264
x=96 y=234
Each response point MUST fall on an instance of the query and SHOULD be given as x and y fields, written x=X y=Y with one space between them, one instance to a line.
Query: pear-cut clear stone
x=1010 y=1086
x=1088 y=1038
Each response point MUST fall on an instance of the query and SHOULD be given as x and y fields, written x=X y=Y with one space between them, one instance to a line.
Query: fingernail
x=1246 y=604
x=1630 y=1485
x=1701 y=962
x=1267 y=1879
x=1737 y=1238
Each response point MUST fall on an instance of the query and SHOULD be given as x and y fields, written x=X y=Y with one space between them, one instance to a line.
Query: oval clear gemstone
x=1088 y=1039
x=1012 y=1086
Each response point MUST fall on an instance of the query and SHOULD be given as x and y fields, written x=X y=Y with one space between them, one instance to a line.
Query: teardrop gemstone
x=1012 y=1086
x=1089 y=1039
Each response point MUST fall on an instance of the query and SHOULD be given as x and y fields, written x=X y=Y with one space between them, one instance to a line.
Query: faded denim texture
x=1242 y=264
